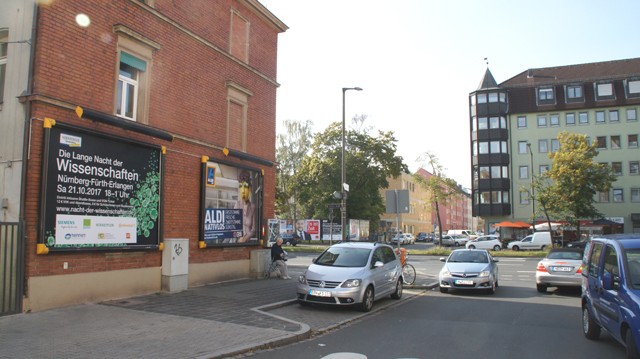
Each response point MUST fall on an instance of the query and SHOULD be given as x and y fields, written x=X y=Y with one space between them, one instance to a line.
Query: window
x=524 y=197
x=615 y=142
x=570 y=119
x=600 y=117
x=574 y=93
x=483 y=148
x=603 y=197
x=602 y=142
x=584 y=118
x=493 y=97
x=484 y=172
x=524 y=172
x=543 y=169
x=555 y=145
x=543 y=146
x=616 y=168
x=554 y=120
x=503 y=97
x=613 y=116
x=632 y=88
x=522 y=122
x=632 y=114
x=483 y=123
x=632 y=141
x=499 y=172
x=485 y=197
x=542 y=121
x=4 y=46
x=634 y=167
x=135 y=54
x=522 y=147
x=239 y=42
x=237 y=109
x=545 y=96
x=635 y=195
x=618 y=195
x=494 y=122
x=482 y=98
x=604 y=91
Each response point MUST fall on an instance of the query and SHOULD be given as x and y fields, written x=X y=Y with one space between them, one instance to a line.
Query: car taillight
x=580 y=269
x=541 y=267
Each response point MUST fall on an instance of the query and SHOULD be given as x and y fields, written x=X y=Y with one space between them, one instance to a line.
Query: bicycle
x=408 y=270
x=270 y=270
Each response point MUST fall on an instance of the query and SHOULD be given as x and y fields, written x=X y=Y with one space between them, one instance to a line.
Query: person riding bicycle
x=279 y=257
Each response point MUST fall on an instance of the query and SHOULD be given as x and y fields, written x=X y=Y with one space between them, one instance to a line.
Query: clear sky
x=418 y=60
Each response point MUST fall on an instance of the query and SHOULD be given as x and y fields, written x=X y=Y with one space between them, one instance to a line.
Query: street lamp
x=343 y=183
x=533 y=199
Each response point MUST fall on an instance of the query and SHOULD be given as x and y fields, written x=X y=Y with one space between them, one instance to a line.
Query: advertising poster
x=231 y=210
x=99 y=191
x=331 y=231
x=313 y=228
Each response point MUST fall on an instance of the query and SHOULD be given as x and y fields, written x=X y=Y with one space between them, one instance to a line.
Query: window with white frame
x=127 y=104
x=555 y=145
x=613 y=116
x=603 y=197
x=632 y=88
x=635 y=195
x=570 y=119
x=615 y=142
x=545 y=95
x=618 y=195
x=616 y=168
x=522 y=147
x=522 y=121
x=4 y=47
x=574 y=93
x=543 y=146
x=554 y=120
x=604 y=91
x=600 y=117
x=634 y=168
x=543 y=169
x=542 y=121
x=583 y=117
x=524 y=172
x=632 y=114
x=632 y=141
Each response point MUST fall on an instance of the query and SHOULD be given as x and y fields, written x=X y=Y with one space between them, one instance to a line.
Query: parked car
x=401 y=237
x=611 y=289
x=462 y=232
x=352 y=273
x=410 y=239
x=578 y=244
x=422 y=237
x=535 y=241
x=490 y=241
x=562 y=267
x=469 y=269
x=452 y=241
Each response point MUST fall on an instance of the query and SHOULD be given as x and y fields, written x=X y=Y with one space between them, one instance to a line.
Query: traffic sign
x=335 y=205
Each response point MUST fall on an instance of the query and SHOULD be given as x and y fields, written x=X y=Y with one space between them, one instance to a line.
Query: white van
x=462 y=232
x=536 y=241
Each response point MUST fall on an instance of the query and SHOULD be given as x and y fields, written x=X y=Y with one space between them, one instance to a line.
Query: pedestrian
x=279 y=257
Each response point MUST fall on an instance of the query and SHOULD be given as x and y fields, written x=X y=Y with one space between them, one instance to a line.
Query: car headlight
x=351 y=283
x=302 y=279
x=445 y=273
x=484 y=274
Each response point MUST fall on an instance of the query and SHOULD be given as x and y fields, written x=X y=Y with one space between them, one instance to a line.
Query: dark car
x=611 y=289
x=578 y=244
x=422 y=237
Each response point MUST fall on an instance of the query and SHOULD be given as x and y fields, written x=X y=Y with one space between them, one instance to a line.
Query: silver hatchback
x=352 y=273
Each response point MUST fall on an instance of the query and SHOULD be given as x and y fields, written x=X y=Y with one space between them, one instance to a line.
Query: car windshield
x=468 y=257
x=565 y=255
x=633 y=263
x=344 y=257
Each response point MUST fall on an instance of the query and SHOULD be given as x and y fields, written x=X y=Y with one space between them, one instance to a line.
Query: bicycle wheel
x=408 y=274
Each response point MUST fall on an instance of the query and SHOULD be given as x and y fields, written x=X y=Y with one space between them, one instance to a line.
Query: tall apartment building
x=132 y=129
x=514 y=126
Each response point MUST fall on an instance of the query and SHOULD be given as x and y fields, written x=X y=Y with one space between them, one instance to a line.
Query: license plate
x=464 y=282
x=561 y=269
x=319 y=293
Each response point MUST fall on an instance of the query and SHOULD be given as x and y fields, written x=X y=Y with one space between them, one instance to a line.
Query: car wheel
x=367 y=300
x=632 y=348
x=444 y=290
x=496 y=248
x=456 y=244
x=398 y=293
x=516 y=248
x=590 y=329
x=542 y=248
x=492 y=289
x=303 y=303
x=541 y=288
x=472 y=247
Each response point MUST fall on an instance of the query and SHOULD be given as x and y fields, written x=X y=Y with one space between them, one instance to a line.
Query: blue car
x=611 y=289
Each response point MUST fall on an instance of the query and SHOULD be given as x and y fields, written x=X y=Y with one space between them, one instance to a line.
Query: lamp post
x=533 y=199
x=343 y=183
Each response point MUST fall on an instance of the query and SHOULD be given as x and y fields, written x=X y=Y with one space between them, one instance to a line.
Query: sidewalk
x=212 y=321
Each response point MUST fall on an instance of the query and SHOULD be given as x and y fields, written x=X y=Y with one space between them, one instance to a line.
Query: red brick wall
x=188 y=98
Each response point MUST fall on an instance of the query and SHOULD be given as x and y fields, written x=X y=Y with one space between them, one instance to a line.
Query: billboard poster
x=331 y=231
x=230 y=213
x=99 y=191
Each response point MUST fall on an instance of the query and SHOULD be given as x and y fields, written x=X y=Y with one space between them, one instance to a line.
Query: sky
x=418 y=60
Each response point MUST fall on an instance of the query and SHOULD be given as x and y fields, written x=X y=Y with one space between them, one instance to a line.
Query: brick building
x=147 y=122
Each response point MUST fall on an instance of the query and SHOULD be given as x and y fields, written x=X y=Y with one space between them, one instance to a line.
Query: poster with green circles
x=100 y=191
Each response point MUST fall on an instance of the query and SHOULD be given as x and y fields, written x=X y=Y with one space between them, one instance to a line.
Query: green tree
x=293 y=146
x=441 y=190
x=576 y=178
x=369 y=161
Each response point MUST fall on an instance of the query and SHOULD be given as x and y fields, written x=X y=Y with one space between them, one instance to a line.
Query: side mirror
x=314 y=260
x=495 y=259
x=443 y=259
x=378 y=264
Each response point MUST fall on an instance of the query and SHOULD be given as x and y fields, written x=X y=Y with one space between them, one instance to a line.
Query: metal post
x=343 y=181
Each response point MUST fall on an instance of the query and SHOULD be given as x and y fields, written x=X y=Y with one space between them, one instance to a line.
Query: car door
x=380 y=275
x=602 y=310
x=607 y=303
x=526 y=243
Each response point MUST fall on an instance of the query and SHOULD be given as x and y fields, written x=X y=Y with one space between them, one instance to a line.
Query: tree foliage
x=369 y=161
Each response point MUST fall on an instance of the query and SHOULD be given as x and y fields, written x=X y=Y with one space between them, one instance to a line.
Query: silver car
x=469 y=269
x=562 y=267
x=352 y=273
x=489 y=241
